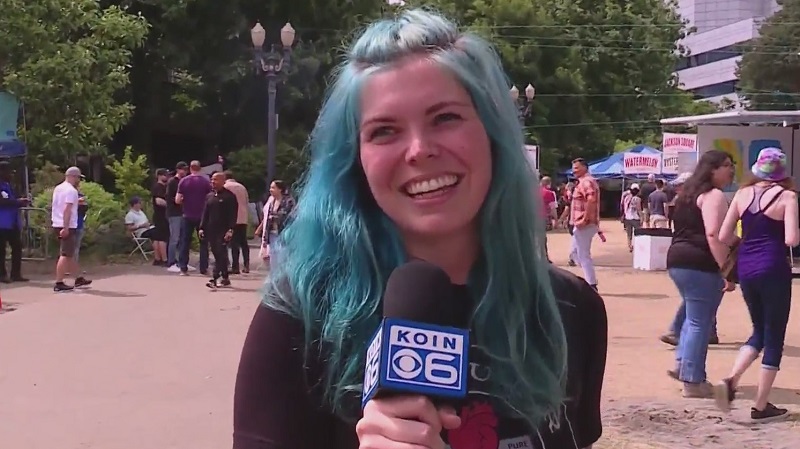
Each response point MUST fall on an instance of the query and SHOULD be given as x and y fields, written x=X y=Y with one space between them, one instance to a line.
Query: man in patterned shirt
x=585 y=217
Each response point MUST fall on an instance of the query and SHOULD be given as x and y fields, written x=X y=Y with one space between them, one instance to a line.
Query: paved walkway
x=147 y=359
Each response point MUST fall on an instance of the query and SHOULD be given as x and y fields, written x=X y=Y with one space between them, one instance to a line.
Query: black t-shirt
x=173 y=210
x=159 y=212
x=274 y=409
x=689 y=248
x=645 y=191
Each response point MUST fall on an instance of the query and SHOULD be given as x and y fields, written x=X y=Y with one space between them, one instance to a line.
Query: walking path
x=147 y=359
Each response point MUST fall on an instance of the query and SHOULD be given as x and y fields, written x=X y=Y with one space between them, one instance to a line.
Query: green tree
x=130 y=175
x=67 y=61
x=769 y=72
x=603 y=69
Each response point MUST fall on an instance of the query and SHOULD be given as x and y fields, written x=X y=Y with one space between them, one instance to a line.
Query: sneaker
x=670 y=339
x=191 y=268
x=61 y=287
x=724 y=393
x=769 y=414
x=234 y=271
x=174 y=269
x=702 y=390
x=184 y=273
x=224 y=283
x=245 y=270
x=81 y=281
x=212 y=284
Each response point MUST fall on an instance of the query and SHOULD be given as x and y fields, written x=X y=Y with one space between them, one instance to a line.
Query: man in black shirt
x=174 y=216
x=216 y=226
x=160 y=235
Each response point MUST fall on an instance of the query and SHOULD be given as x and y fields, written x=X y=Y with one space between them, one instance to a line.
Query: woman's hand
x=404 y=422
x=729 y=286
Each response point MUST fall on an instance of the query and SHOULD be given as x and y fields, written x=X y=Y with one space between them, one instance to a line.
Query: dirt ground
x=643 y=408
x=146 y=359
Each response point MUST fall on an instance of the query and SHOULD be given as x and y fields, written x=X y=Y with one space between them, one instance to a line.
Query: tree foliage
x=68 y=61
x=603 y=70
x=770 y=66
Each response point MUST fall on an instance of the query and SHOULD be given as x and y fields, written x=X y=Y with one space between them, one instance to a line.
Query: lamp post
x=273 y=65
x=523 y=104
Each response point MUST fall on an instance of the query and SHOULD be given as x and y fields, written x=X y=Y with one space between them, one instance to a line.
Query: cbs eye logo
x=407 y=364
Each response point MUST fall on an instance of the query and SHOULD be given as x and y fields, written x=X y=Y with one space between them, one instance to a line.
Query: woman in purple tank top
x=767 y=206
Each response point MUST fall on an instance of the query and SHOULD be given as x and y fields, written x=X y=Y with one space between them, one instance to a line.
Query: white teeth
x=431 y=185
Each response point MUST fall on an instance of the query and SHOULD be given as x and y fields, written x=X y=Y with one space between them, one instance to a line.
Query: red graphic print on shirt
x=478 y=428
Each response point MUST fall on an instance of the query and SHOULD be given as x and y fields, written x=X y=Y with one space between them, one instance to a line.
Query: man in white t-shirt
x=64 y=216
x=136 y=220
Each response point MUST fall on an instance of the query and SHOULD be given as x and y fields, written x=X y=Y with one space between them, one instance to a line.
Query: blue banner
x=9 y=116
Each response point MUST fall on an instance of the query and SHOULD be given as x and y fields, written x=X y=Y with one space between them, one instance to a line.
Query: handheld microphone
x=417 y=349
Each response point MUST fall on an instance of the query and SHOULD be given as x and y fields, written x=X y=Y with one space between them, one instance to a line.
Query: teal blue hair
x=340 y=247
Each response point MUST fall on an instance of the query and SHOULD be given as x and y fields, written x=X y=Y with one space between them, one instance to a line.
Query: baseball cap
x=634 y=186
x=181 y=165
x=74 y=171
x=681 y=179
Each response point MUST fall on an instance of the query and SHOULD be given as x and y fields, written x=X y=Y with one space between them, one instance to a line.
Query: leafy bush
x=104 y=228
x=130 y=176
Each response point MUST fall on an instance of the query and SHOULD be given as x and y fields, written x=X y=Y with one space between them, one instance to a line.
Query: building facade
x=722 y=26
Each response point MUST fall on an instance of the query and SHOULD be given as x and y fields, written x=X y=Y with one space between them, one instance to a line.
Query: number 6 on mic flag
x=415 y=358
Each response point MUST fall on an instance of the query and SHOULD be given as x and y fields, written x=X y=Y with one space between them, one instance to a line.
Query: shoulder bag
x=730 y=269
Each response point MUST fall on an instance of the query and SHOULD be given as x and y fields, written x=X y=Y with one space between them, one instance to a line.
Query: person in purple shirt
x=192 y=192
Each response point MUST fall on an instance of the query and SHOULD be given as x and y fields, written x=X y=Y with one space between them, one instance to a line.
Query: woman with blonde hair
x=767 y=207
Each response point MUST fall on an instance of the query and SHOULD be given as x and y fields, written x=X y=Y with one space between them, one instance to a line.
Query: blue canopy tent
x=610 y=167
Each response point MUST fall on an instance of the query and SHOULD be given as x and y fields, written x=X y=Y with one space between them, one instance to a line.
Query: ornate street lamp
x=273 y=65
x=523 y=104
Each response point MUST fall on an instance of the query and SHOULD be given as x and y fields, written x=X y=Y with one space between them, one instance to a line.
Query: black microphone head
x=422 y=292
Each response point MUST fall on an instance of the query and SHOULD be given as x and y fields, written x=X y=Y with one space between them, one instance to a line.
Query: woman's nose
x=420 y=148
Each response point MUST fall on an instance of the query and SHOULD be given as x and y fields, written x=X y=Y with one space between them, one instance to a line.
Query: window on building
x=714 y=90
x=731 y=51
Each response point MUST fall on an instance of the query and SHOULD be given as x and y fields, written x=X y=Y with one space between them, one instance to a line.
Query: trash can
x=650 y=248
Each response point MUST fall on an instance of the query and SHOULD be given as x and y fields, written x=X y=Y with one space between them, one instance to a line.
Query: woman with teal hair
x=418 y=154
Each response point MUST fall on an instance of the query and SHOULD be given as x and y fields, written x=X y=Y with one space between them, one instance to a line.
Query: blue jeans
x=769 y=300
x=581 y=252
x=174 y=245
x=78 y=237
x=190 y=227
x=680 y=317
x=701 y=292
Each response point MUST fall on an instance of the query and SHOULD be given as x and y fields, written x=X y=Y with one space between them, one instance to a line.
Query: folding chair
x=141 y=244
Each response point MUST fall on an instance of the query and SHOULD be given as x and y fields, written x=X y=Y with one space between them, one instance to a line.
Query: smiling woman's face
x=424 y=149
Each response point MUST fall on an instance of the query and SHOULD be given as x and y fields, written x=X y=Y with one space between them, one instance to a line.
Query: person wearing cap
x=175 y=217
x=136 y=220
x=64 y=217
x=645 y=190
x=158 y=195
x=10 y=226
x=192 y=193
x=631 y=206
x=767 y=206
